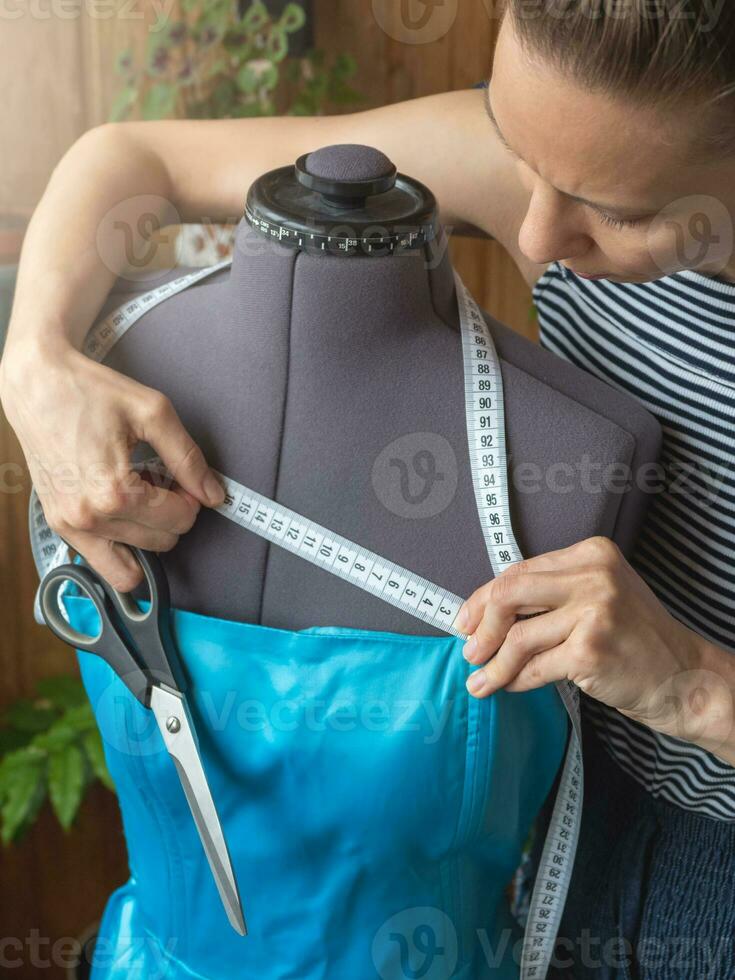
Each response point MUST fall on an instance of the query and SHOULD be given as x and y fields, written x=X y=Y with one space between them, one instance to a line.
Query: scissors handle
x=107 y=642
x=137 y=644
x=151 y=630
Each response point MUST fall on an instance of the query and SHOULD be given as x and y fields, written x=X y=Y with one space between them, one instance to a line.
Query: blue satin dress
x=374 y=811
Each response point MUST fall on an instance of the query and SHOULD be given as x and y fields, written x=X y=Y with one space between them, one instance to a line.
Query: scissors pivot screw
x=173 y=724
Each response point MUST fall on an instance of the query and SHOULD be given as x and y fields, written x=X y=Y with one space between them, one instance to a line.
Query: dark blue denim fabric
x=653 y=890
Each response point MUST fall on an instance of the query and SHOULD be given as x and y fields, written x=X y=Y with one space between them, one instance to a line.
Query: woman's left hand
x=595 y=622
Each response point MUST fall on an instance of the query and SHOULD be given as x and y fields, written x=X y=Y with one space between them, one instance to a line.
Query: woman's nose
x=550 y=230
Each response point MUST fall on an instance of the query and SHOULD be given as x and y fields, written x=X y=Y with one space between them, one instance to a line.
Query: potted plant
x=50 y=748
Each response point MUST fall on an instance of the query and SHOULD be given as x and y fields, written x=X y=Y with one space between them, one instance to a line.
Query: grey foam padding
x=348 y=161
x=295 y=372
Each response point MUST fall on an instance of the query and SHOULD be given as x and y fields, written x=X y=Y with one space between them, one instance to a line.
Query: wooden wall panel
x=57 y=79
x=43 y=103
x=392 y=69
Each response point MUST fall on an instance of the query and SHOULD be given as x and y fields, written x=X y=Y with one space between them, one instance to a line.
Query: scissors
x=140 y=648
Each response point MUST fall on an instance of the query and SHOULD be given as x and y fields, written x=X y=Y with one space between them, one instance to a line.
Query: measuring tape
x=391 y=582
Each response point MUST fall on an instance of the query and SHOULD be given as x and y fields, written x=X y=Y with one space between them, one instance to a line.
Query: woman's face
x=614 y=190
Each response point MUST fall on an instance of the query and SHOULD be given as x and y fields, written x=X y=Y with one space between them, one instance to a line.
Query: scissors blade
x=178 y=734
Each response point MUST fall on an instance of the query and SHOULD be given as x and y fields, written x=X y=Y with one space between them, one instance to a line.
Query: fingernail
x=469 y=648
x=213 y=489
x=462 y=617
x=476 y=681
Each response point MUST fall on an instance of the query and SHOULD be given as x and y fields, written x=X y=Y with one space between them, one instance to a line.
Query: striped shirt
x=671 y=344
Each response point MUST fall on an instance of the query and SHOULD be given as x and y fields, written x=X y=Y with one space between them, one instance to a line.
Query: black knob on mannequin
x=346 y=199
x=346 y=174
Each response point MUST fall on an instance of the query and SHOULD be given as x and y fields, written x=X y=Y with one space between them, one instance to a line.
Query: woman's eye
x=608 y=219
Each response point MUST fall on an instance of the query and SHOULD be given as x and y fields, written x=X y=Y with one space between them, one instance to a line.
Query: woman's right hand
x=77 y=422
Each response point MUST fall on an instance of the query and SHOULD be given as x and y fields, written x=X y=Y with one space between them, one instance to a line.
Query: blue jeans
x=653 y=891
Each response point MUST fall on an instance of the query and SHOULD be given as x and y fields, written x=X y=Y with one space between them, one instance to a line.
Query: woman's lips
x=586 y=275
x=612 y=276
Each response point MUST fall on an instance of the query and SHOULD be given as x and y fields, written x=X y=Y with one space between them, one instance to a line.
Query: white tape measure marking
x=388 y=581
x=485 y=411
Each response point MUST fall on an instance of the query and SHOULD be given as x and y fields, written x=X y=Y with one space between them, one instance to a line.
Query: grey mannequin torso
x=298 y=373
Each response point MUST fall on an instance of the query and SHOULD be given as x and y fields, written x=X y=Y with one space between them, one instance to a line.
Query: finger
x=159 y=425
x=118 y=504
x=526 y=639
x=167 y=481
x=113 y=561
x=545 y=668
x=597 y=550
x=493 y=608
x=488 y=634
x=149 y=504
x=140 y=536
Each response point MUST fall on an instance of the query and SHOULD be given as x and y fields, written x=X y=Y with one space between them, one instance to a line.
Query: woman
x=602 y=157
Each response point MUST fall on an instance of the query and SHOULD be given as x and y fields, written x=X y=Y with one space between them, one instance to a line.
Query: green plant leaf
x=319 y=87
x=159 y=62
x=277 y=46
x=66 y=729
x=223 y=98
x=124 y=65
x=92 y=744
x=293 y=70
x=252 y=79
x=269 y=77
x=122 y=103
x=63 y=691
x=66 y=779
x=30 y=716
x=249 y=110
x=345 y=65
x=23 y=789
x=178 y=32
x=247 y=80
x=49 y=753
x=293 y=17
x=159 y=101
x=342 y=94
x=238 y=45
x=15 y=760
x=302 y=107
x=57 y=737
x=81 y=719
x=218 y=67
x=200 y=110
x=11 y=739
x=256 y=16
x=213 y=23
x=308 y=101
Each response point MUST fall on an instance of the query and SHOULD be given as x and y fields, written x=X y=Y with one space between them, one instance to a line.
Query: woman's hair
x=660 y=53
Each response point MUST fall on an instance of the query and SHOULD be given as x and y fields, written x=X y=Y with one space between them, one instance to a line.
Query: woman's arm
x=77 y=420
x=202 y=170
